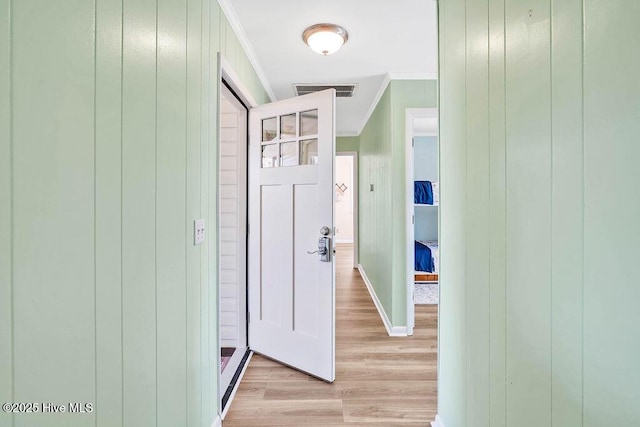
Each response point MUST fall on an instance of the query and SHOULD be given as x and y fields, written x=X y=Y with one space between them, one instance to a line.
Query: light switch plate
x=198 y=231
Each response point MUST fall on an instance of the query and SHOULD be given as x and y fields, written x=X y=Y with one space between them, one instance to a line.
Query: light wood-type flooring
x=380 y=380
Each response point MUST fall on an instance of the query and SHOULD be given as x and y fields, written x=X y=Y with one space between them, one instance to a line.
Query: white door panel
x=274 y=279
x=305 y=308
x=291 y=292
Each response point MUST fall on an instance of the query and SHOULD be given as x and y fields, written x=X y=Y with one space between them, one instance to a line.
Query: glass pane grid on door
x=290 y=139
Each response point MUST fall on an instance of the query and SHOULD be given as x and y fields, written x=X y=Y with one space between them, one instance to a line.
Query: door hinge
x=413 y=219
x=413 y=141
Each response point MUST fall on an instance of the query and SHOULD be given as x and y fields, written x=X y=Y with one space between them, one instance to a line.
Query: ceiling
x=394 y=39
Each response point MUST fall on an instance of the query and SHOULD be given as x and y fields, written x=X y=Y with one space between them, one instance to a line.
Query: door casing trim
x=227 y=73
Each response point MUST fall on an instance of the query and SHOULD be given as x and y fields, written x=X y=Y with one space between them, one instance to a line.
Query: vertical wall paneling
x=381 y=148
x=404 y=94
x=6 y=297
x=477 y=210
x=108 y=224
x=231 y=46
x=611 y=211
x=139 y=110
x=528 y=195
x=397 y=177
x=567 y=202
x=170 y=216
x=208 y=384
x=222 y=32
x=375 y=205
x=53 y=251
x=497 y=224
x=210 y=11
x=452 y=372
x=347 y=143
x=107 y=115
x=563 y=124
x=194 y=343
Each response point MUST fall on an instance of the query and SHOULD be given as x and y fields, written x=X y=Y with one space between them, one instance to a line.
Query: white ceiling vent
x=342 y=90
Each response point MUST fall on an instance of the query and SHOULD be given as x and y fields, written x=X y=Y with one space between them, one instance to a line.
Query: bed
x=426 y=261
x=426 y=193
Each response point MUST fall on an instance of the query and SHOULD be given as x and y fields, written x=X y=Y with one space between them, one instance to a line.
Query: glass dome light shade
x=325 y=39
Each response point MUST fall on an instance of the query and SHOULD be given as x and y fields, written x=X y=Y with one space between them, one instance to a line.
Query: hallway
x=379 y=379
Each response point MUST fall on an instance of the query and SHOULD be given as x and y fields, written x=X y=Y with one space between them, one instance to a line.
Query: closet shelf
x=424 y=205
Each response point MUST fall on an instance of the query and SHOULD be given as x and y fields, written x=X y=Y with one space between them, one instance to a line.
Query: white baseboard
x=393 y=331
x=438 y=422
x=217 y=422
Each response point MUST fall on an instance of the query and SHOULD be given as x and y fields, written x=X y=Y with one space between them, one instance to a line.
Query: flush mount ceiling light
x=325 y=39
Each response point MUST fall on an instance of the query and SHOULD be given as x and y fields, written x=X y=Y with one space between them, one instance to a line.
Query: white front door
x=291 y=291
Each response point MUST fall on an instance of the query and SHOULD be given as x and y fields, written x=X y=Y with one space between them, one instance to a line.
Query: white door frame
x=354 y=180
x=226 y=73
x=411 y=114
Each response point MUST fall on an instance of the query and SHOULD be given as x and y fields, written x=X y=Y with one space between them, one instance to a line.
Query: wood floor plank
x=380 y=380
x=284 y=412
x=382 y=411
x=252 y=390
x=314 y=390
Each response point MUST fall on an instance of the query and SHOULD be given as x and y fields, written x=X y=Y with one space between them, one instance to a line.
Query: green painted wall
x=347 y=143
x=404 y=94
x=374 y=207
x=107 y=155
x=382 y=211
x=539 y=208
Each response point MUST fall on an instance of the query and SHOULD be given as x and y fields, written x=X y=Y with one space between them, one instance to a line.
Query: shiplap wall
x=107 y=155
x=539 y=213
x=229 y=225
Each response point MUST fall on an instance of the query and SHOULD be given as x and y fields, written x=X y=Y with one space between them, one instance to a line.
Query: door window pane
x=269 y=131
x=288 y=126
x=309 y=152
x=309 y=123
x=288 y=154
x=270 y=156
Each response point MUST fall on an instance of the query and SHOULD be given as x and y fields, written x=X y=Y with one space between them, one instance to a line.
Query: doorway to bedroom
x=346 y=206
x=423 y=197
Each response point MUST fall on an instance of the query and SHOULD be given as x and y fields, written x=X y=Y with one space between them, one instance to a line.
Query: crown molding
x=234 y=21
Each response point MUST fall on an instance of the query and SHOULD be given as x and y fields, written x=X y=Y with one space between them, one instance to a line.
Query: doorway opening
x=232 y=240
x=423 y=196
x=275 y=184
x=346 y=203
